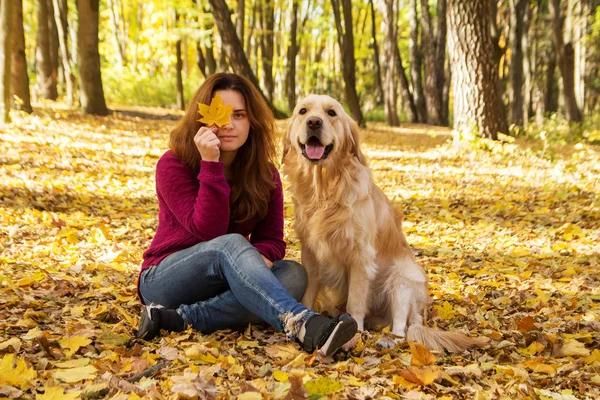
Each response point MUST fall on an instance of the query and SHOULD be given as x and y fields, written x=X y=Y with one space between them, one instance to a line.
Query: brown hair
x=252 y=168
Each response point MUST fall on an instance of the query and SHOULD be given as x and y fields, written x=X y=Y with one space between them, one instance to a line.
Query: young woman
x=215 y=260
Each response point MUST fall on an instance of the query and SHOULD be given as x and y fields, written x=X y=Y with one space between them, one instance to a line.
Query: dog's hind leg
x=314 y=283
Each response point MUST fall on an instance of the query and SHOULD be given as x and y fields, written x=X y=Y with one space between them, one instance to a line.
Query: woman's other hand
x=208 y=143
x=267 y=261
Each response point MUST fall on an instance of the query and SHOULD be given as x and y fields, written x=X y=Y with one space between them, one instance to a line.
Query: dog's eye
x=331 y=113
x=302 y=111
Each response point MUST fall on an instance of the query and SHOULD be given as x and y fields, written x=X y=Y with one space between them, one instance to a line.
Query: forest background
x=507 y=223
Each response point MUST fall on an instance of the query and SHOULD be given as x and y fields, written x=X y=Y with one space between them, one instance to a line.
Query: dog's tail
x=435 y=339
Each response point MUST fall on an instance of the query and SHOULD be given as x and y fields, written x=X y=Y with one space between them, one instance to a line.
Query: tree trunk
x=292 y=52
x=91 y=92
x=240 y=19
x=566 y=62
x=60 y=16
x=179 y=77
x=379 y=94
x=346 y=43
x=415 y=61
x=517 y=16
x=136 y=41
x=390 y=93
x=434 y=47
x=46 y=74
x=20 y=79
x=6 y=18
x=579 y=34
x=233 y=48
x=116 y=24
x=551 y=92
x=267 y=22
x=474 y=75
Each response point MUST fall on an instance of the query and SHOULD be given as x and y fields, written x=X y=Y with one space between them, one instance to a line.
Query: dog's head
x=321 y=131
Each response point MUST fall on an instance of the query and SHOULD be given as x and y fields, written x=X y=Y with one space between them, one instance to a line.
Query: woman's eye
x=238 y=115
x=331 y=113
x=302 y=111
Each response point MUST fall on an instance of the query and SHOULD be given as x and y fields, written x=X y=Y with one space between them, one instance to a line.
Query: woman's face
x=233 y=135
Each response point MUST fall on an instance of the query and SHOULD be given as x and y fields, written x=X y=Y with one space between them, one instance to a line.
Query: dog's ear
x=287 y=142
x=355 y=149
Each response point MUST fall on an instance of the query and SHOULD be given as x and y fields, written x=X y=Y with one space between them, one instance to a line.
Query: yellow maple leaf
x=73 y=344
x=420 y=376
x=534 y=348
x=444 y=311
x=280 y=376
x=57 y=393
x=215 y=114
x=15 y=372
x=72 y=375
x=421 y=355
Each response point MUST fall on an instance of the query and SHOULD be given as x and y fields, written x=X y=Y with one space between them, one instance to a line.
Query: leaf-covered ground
x=509 y=235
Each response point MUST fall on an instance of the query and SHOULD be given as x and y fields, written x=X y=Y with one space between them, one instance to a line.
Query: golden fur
x=351 y=235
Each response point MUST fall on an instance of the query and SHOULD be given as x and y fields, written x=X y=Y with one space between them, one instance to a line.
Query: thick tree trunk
x=91 y=93
x=551 y=91
x=379 y=94
x=566 y=62
x=343 y=23
x=233 y=48
x=46 y=74
x=6 y=18
x=292 y=52
x=518 y=9
x=474 y=75
x=266 y=44
x=21 y=98
x=415 y=61
x=60 y=16
x=434 y=46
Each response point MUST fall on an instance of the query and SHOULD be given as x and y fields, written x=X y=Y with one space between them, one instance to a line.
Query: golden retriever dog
x=351 y=235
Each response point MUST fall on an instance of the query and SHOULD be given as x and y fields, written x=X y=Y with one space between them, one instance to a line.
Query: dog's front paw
x=388 y=341
x=351 y=344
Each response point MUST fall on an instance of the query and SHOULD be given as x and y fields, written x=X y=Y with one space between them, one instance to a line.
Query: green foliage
x=557 y=130
x=131 y=88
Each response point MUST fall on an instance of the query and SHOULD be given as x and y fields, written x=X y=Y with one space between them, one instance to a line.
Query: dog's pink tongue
x=314 y=151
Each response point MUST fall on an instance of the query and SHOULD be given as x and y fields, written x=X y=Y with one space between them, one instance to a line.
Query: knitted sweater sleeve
x=199 y=203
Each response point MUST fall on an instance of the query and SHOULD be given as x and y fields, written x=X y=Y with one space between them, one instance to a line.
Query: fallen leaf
x=421 y=356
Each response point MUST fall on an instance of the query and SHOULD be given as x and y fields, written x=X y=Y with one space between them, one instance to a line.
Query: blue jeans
x=225 y=283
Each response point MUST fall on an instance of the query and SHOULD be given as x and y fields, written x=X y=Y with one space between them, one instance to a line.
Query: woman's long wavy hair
x=251 y=171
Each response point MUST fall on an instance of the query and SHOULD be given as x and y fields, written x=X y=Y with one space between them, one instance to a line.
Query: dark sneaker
x=328 y=334
x=150 y=323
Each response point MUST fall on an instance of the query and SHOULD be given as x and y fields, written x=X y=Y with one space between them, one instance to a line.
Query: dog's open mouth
x=314 y=150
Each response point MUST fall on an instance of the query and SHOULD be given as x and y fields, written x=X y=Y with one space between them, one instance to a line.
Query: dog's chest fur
x=330 y=219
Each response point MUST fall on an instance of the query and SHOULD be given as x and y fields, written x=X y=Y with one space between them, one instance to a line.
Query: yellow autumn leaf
x=594 y=357
x=250 y=396
x=421 y=356
x=13 y=345
x=216 y=113
x=572 y=347
x=57 y=393
x=280 y=376
x=420 y=376
x=72 y=344
x=534 y=348
x=77 y=363
x=72 y=375
x=444 y=311
x=14 y=372
x=323 y=386
x=536 y=366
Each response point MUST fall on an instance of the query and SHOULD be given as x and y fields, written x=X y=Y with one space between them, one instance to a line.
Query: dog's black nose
x=314 y=122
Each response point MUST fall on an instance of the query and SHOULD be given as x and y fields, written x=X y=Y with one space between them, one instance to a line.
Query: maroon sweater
x=194 y=208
